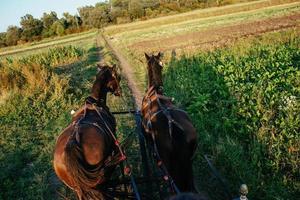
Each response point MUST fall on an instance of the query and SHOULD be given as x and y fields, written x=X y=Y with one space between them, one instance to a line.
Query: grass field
x=197 y=14
x=46 y=43
x=198 y=32
x=218 y=62
x=235 y=69
x=38 y=91
x=244 y=101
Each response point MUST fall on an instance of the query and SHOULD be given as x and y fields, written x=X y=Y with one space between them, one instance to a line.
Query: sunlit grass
x=151 y=30
x=46 y=43
x=126 y=36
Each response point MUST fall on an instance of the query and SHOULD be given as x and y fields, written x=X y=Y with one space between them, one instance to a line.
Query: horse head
x=112 y=78
x=155 y=66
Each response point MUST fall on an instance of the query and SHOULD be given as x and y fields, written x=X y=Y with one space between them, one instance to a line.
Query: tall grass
x=244 y=101
x=35 y=72
x=37 y=94
x=34 y=100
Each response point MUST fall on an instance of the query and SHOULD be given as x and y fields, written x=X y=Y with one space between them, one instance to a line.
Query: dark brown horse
x=170 y=128
x=85 y=152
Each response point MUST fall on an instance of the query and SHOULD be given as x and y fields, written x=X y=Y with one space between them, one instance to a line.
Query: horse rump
x=85 y=177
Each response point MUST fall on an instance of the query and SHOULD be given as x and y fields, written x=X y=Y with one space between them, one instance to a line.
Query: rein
x=148 y=128
x=165 y=110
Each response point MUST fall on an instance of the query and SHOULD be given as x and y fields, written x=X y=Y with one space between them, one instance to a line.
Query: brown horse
x=85 y=152
x=170 y=128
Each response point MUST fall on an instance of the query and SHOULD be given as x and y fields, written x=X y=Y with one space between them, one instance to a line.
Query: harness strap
x=163 y=168
x=117 y=143
x=148 y=128
x=127 y=169
x=166 y=112
x=107 y=162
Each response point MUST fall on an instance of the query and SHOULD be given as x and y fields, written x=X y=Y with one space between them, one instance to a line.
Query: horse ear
x=147 y=56
x=99 y=67
x=159 y=55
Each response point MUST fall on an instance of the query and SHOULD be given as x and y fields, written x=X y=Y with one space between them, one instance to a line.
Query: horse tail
x=85 y=177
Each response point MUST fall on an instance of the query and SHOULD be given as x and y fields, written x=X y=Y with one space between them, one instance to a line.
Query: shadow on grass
x=202 y=92
x=26 y=169
x=81 y=73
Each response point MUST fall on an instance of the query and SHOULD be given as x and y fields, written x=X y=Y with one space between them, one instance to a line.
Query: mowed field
x=28 y=48
x=234 y=69
x=200 y=30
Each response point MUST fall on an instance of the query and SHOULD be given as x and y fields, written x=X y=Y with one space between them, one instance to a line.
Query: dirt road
x=128 y=73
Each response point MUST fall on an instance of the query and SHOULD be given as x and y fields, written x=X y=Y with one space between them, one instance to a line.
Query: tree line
x=98 y=16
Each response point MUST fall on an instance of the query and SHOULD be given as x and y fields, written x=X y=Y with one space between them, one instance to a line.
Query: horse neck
x=150 y=77
x=157 y=82
x=99 y=91
x=154 y=79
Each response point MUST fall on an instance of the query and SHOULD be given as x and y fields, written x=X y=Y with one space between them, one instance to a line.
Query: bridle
x=114 y=76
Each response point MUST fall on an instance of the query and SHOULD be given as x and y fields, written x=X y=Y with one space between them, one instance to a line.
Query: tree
x=73 y=23
x=32 y=28
x=135 y=9
x=150 y=4
x=58 y=27
x=85 y=15
x=97 y=16
x=48 y=20
x=3 y=40
x=104 y=14
x=13 y=35
x=123 y=4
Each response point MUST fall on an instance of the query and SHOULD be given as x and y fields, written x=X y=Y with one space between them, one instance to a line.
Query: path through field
x=127 y=71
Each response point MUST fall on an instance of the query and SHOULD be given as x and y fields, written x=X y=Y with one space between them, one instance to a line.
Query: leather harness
x=152 y=96
x=148 y=116
x=117 y=155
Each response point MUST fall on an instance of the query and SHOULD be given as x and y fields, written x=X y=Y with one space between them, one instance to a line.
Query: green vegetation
x=152 y=35
x=244 y=101
x=35 y=102
x=150 y=30
x=78 y=39
x=203 y=17
x=37 y=94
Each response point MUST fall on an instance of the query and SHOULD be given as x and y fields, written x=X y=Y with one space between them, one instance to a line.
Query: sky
x=11 y=11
